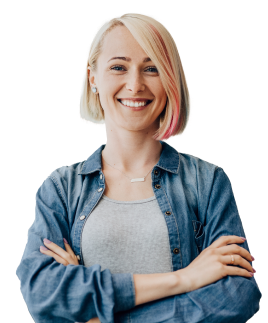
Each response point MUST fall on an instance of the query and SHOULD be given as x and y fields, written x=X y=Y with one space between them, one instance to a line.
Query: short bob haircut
x=159 y=45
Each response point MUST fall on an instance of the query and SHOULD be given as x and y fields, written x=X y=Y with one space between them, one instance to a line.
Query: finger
x=73 y=259
x=55 y=256
x=225 y=240
x=238 y=250
x=56 y=249
x=240 y=255
x=68 y=248
x=236 y=271
x=233 y=249
x=238 y=261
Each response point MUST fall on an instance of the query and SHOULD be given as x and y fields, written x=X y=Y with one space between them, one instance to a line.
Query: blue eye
x=116 y=68
x=153 y=69
x=121 y=68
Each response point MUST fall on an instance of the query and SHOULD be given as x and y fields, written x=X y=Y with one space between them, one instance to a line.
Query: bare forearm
x=156 y=286
x=151 y=287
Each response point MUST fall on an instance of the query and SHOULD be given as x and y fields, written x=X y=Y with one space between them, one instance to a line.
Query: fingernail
x=252 y=258
x=43 y=248
x=65 y=240
x=46 y=241
x=243 y=238
x=253 y=270
x=251 y=274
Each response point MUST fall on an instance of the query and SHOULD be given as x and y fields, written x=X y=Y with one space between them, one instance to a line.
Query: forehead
x=120 y=42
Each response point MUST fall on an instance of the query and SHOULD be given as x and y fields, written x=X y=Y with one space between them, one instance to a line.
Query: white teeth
x=135 y=104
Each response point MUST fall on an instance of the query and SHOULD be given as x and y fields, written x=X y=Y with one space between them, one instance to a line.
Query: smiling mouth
x=139 y=106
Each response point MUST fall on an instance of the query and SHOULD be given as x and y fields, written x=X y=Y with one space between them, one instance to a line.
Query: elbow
x=241 y=299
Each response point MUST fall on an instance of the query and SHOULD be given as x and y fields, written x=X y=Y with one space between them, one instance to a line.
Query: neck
x=129 y=161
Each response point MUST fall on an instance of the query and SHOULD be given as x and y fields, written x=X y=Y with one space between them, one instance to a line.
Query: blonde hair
x=159 y=45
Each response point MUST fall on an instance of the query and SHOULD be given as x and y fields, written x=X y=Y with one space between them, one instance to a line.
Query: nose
x=135 y=82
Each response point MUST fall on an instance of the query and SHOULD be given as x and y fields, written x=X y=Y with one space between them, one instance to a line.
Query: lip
x=135 y=108
x=136 y=99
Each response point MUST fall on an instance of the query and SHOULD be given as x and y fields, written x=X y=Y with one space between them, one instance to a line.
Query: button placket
x=82 y=217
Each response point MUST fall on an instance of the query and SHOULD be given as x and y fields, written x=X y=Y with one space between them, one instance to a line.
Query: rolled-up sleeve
x=57 y=293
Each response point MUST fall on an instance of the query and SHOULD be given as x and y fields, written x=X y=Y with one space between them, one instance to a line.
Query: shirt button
x=100 y=176
x=82 y=217
x=156 y=172
x=157 y=186
x=78 y=257
x=168 y=213
x=100 y=189
x=176 y=251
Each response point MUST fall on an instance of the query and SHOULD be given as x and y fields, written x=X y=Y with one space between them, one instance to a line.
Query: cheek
x=159 y=90
x=110 y=87
x=161 y=96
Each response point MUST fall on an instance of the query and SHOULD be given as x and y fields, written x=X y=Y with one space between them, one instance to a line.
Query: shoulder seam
x=58 y=189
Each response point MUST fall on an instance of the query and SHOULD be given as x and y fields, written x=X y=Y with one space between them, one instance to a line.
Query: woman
x=150 y=234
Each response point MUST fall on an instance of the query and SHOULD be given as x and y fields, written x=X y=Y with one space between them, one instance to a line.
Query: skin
x=129 y=146
x=94 y=320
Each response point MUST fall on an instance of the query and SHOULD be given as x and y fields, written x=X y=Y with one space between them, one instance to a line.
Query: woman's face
x=125 y=76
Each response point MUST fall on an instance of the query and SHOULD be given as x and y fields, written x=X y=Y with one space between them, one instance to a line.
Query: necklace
x=132 y=180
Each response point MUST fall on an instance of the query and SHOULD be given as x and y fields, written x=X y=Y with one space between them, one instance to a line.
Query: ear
x=88 y=71
x=91 y=77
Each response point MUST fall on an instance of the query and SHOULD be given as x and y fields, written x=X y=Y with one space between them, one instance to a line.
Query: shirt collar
x=169 y=160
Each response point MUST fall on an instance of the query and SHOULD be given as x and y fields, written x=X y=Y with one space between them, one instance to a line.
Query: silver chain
x=125 y=174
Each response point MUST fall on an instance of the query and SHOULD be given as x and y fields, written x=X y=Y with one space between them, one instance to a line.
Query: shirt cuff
x=124 y=292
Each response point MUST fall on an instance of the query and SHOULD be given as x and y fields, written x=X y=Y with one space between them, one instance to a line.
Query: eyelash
x=112 y=68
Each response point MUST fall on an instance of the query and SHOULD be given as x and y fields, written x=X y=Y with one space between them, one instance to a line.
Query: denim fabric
x=197 y=202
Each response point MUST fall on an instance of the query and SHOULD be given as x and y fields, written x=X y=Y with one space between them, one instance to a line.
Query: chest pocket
x=199 y=234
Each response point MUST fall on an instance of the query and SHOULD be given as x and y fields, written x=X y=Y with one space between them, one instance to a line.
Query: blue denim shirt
x=197 y=202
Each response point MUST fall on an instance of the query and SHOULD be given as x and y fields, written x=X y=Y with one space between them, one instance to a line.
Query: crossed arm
x=163 y=285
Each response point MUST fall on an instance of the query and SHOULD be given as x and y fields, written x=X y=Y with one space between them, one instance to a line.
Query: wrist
x=150 y=287
x=184 y=283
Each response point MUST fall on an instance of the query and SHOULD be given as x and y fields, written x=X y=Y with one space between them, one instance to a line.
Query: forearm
x=152 y=287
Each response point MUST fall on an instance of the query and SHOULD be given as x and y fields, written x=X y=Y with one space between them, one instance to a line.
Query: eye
x=117 y=68
x=152 y=69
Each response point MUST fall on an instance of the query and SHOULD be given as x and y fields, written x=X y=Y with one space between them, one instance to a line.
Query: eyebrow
x=127 y=59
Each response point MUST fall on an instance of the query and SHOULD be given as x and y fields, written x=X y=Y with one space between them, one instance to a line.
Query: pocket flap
x=199 y=234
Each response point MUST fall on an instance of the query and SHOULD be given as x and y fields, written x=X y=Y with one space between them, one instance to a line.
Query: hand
x=63 y=257
x=212 y=263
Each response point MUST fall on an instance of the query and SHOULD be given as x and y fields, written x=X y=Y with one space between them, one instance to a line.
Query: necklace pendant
x=137 y=180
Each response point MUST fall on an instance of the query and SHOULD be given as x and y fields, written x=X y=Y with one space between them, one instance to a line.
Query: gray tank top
x=127 y=237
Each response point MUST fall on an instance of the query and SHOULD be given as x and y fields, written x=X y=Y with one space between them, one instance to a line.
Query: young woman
x=138 y=232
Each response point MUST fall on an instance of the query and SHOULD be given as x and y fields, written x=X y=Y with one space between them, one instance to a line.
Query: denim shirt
x=197 y=202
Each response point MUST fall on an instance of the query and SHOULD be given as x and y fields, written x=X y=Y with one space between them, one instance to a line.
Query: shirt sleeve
x=231 y=299
x=74 y=293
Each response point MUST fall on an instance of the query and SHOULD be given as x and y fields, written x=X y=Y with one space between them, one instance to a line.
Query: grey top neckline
x=129 y=202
